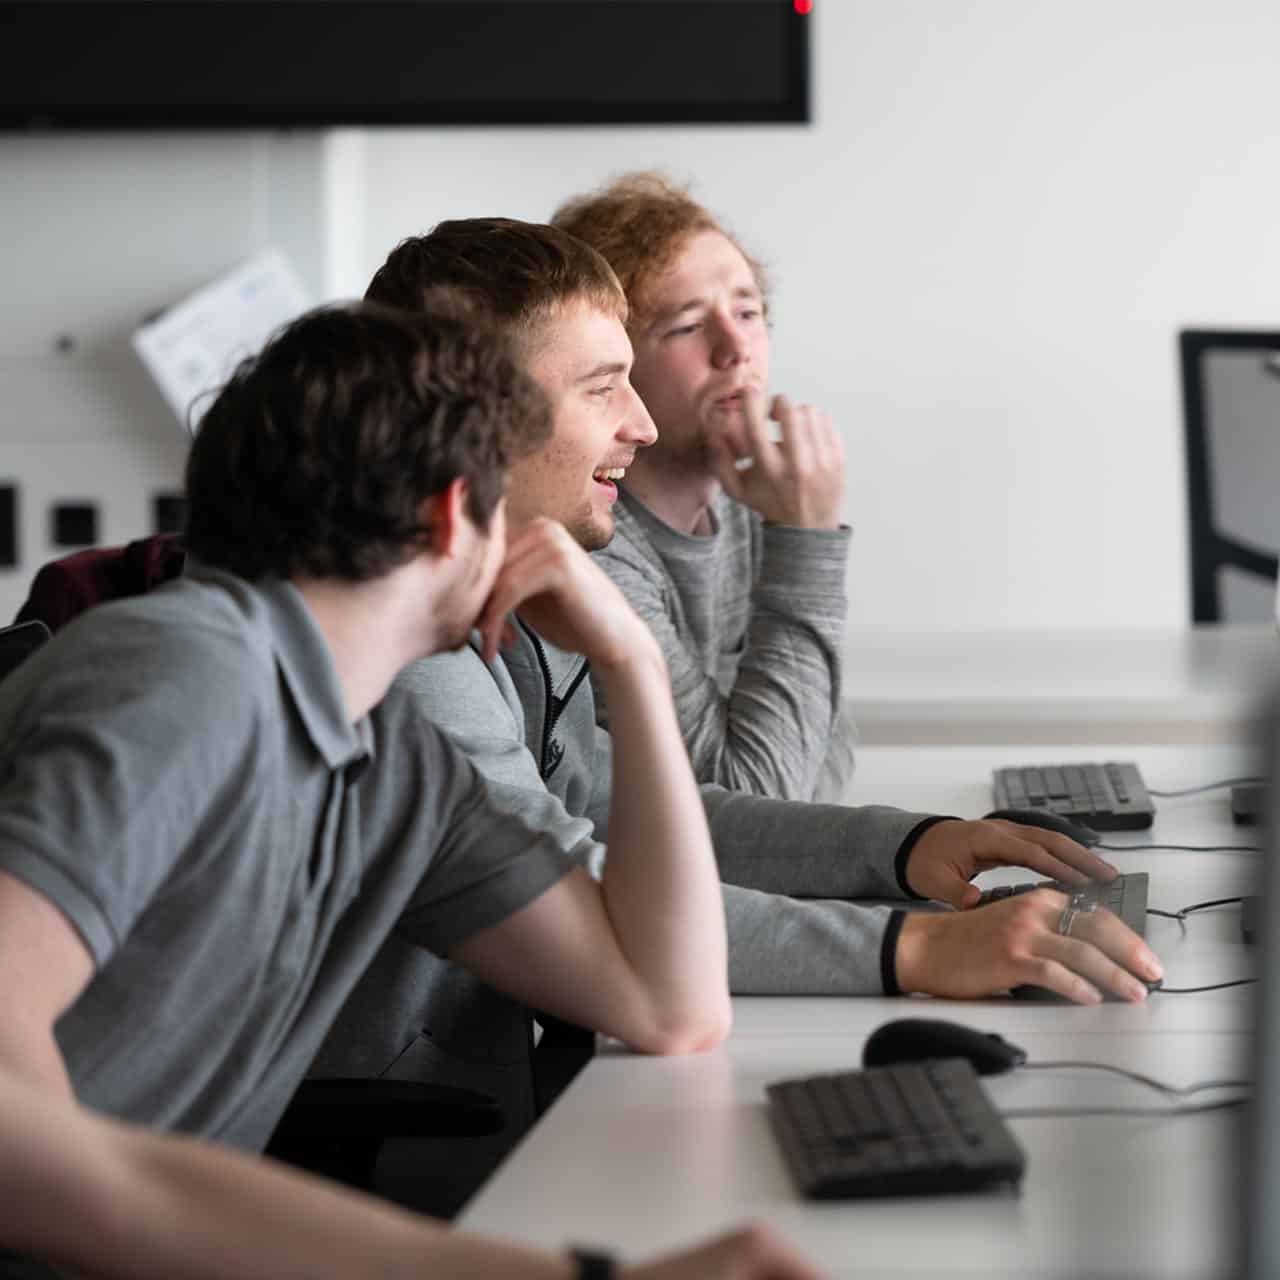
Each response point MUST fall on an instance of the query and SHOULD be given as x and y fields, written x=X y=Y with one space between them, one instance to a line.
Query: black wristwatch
x=595 y=1265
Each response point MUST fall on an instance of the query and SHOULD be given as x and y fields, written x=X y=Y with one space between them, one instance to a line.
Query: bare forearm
x=119 y=1203
x=30 y=1054
x=661 y=885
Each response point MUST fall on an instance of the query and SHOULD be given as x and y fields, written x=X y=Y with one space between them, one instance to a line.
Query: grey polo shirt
x=178 y=776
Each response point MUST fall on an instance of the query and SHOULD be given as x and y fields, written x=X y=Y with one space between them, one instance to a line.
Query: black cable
x=1020 y=1113
x=1183 y=912
x=1204 y=906
x=1184 y=848
x=1216 y=986
x=1208 y=786
x=1150 y=1081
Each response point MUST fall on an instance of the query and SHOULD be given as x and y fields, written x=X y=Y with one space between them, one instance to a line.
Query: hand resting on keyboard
x=947 y=855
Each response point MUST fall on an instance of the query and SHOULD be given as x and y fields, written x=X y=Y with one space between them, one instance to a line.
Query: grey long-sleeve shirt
x=528 y=720
x=751 y=620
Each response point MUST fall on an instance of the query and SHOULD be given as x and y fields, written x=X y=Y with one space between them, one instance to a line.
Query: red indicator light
x=802 y=7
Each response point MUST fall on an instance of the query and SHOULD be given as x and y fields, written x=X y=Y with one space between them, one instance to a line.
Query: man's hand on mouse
x=949 y=854
x=979 y=953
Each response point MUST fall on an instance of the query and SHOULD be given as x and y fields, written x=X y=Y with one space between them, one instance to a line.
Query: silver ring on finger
x=1082 y=902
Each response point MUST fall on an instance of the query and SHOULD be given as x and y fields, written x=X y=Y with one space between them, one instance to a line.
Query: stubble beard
x=590 y=531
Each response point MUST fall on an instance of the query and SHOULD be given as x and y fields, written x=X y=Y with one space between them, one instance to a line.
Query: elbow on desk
x=692 y=1031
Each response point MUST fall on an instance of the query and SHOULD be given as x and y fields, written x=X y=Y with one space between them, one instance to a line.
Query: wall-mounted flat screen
x=111 y=64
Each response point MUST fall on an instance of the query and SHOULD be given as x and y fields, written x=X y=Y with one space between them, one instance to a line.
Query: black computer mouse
x=1076 y=831
x=914 y=1039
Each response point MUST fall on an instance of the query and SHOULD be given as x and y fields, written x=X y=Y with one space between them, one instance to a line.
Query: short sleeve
x=495 y=851
x=113 y=748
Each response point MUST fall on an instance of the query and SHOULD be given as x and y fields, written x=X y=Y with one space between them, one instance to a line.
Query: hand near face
x=797 y=480
x=564 y=595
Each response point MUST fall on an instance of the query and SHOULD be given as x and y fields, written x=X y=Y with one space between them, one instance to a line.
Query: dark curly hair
x=517 y=272
x=317 y=455
x=640 y=222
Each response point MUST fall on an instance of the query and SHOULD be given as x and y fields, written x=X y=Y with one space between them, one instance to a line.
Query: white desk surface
x=648 y=1154
x=1179 y=685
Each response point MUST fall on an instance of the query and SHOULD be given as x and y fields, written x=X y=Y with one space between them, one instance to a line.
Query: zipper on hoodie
x=555 y=706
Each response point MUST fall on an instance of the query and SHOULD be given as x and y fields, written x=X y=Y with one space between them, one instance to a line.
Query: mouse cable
x=1020 y=1113
x=1215 y=986
x=1208 y=786
x=1151 y=1082
x=1184 y=848
x=1183 y=912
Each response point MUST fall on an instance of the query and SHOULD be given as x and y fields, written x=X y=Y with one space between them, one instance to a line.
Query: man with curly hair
x=729 y=541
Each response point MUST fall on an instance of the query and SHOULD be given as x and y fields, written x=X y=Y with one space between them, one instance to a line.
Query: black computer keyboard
x=1125 y=895
x=913 y=1128
x=1106 y=797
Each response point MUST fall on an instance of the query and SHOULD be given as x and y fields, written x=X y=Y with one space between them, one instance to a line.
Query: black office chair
x=1231 y=417
x=338 y=1127
x=19 y=642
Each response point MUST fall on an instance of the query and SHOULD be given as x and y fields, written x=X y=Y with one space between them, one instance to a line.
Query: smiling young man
x=739 y=570
x=525 y=717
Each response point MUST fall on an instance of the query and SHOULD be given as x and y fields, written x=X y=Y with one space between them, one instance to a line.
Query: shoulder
x=188 y=644
x=459 y=690
x=630 y=555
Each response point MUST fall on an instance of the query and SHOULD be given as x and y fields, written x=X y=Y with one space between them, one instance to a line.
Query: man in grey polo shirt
x=213 y=811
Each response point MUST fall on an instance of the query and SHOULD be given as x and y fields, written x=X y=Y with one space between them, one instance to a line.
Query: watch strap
x=593 y=1264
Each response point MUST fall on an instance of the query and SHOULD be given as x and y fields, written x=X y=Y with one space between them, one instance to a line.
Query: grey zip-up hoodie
x=788 y=867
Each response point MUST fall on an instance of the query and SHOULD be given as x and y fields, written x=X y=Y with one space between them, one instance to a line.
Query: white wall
x=97 y=232
x=982 y=251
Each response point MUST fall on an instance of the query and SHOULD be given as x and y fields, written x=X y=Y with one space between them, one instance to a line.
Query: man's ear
x=443 y=517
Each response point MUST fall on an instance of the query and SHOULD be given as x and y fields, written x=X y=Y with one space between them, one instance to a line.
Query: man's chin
x=593 y=531
x=595 y=536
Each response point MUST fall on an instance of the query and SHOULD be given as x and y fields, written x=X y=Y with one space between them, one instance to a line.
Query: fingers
x=1054 y=855
x=797 y=479
x=796 y=447
x=557 y=589
x=1015 y=942
x=950 y=853
x=724 y=458
x=1101 y=954
x=518 y=578
x=1102 y=933
x=754 y=439
x=751 y=1253
x=809 y=438
x=541 y=559
x=745 y=428
x=810 y=463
